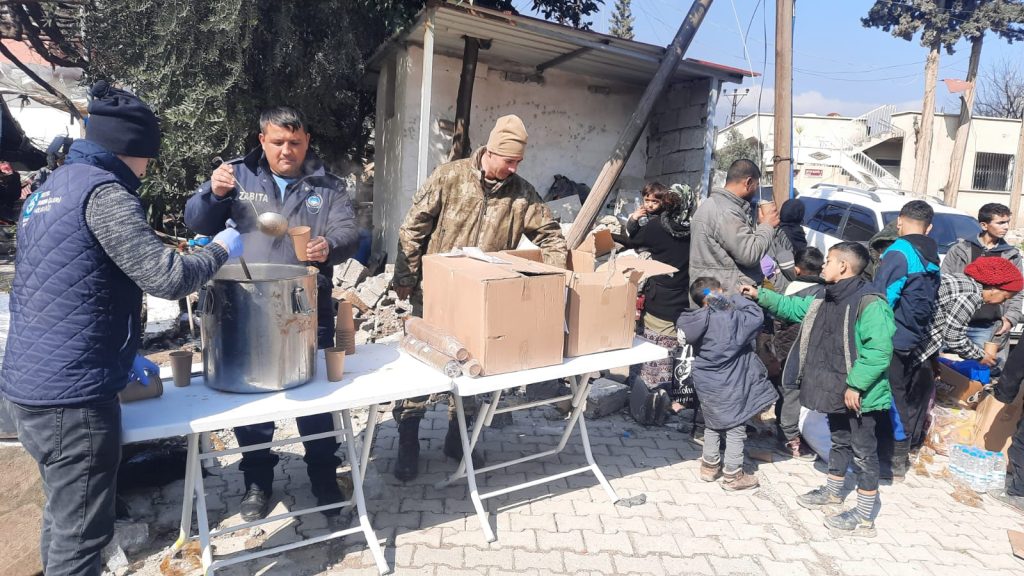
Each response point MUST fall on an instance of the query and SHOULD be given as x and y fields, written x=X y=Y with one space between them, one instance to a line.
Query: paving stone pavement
x=570 y=527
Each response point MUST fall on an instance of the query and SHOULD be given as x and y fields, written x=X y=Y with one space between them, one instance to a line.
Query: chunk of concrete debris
x=606 y=397
x=349 y=274
x=373 y=289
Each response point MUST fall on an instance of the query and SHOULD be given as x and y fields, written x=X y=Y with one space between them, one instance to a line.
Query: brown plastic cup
x=335 y=363
x=181 y=368
x=300 y=239
x=991 y=348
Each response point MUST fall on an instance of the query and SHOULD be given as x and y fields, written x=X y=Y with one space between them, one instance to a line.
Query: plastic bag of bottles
x=982 y=470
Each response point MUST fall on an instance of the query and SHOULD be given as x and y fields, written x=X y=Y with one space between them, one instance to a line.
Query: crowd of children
x=854 y=334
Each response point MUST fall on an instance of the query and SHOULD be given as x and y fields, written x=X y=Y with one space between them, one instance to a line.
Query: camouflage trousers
x=412 y=408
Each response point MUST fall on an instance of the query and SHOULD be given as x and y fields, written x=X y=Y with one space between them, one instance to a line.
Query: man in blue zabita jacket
x=908 y=275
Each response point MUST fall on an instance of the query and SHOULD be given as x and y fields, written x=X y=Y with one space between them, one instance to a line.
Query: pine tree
x=941 y=24
x=622 y=20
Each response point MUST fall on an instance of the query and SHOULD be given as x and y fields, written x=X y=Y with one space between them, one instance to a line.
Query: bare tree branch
x=1001 y=91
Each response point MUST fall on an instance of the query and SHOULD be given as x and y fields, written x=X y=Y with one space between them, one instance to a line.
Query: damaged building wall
x=677 y=134
x=572 y=128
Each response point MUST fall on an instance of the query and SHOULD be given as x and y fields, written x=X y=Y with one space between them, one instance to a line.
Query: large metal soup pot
x=259 y=335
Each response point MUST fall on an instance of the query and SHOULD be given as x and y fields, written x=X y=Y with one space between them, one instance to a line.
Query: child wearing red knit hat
x=987 y=280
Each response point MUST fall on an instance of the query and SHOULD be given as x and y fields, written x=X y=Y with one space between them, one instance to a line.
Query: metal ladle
x=269 y=223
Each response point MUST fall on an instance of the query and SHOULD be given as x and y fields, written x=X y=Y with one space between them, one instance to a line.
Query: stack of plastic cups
x=345 y=328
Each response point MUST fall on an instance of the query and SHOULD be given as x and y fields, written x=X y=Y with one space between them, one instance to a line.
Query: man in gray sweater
x=727 y=245
x=86 y=256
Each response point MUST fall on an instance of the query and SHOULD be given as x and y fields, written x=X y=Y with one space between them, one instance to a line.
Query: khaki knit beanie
x=508 y=137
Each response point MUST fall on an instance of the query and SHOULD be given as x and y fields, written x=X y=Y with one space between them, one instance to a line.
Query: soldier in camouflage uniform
x=480 y=202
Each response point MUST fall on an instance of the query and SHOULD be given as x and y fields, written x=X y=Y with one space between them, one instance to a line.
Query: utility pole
x=735 y=96
x=782 y=178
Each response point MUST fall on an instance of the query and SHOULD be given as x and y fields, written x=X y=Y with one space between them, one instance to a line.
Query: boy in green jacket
x=840 y=361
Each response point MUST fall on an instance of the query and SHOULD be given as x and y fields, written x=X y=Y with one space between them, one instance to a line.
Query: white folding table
x=375 y=375
x=580 y=372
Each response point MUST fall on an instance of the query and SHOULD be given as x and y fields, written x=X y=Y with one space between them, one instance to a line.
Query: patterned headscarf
x=676 y=220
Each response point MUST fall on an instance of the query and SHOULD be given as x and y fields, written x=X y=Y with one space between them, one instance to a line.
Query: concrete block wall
x=676 y=134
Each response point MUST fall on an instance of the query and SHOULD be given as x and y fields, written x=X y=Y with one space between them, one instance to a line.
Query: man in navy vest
x=86 y=255
x=284 y=176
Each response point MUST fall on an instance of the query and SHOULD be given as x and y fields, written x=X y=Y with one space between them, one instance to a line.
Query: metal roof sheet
x=522 y=43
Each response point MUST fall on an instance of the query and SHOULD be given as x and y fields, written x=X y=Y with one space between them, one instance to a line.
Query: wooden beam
x=562 y=59
x=38 y=80
x=425 y=91
x=464 y=102
x=631 y=134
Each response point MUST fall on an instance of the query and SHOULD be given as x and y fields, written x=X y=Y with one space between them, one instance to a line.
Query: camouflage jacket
x=451 y=210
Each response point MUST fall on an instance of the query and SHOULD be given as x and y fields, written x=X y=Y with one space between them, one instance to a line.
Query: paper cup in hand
x=991 y=348
x=181 y=368
x=300 y=239
x=335 y=363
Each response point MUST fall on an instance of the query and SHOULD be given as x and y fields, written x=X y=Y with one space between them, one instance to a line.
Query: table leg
x=581 y=388
x=185 y=529
x=467 y=461
x=357 y=495
x=371 y=429
x=482 y=419
x=593 y=465
x=203 y=520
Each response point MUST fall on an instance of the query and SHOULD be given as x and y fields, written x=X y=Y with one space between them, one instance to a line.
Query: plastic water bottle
x=956 y=461
x=716 y=300
x=979 y=470
x=998 y=471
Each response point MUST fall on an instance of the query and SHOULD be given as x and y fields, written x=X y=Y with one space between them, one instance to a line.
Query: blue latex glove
x=142 y=368
x=232 y=240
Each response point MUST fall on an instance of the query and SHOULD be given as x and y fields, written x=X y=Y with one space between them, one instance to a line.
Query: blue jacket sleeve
x=341 y=233
x=749 y=318
x=205 y=213
x=891 y=276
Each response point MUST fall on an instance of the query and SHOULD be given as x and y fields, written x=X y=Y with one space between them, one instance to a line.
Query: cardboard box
x=509 y=315
x=996 y=423
x=601 y=305
x=588 y=255
x=957 y=388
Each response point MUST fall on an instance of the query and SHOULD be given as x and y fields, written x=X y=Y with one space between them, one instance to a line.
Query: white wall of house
x=992 y=143
x=572 y=129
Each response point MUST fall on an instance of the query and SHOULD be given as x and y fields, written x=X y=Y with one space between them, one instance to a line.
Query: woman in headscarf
x=791 y=220
x=666 y=236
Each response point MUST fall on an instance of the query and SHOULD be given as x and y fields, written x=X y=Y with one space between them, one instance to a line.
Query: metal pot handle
x=205 y=303
x=301 y=302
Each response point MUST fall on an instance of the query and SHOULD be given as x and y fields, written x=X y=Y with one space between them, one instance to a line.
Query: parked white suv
x=836 y=214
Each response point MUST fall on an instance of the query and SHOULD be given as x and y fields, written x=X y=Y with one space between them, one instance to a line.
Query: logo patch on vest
x=314 y=203
x=39 y=202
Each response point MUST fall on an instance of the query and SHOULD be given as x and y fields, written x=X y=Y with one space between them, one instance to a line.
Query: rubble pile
x=378 y=312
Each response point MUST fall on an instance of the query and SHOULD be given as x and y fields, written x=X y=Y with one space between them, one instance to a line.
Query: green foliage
x=735 y=148
x=622 y=20
x=208 y=68
x=943 y=23
x=568 y=12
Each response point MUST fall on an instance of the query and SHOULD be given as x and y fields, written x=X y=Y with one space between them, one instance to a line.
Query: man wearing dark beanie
x=86 y=255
